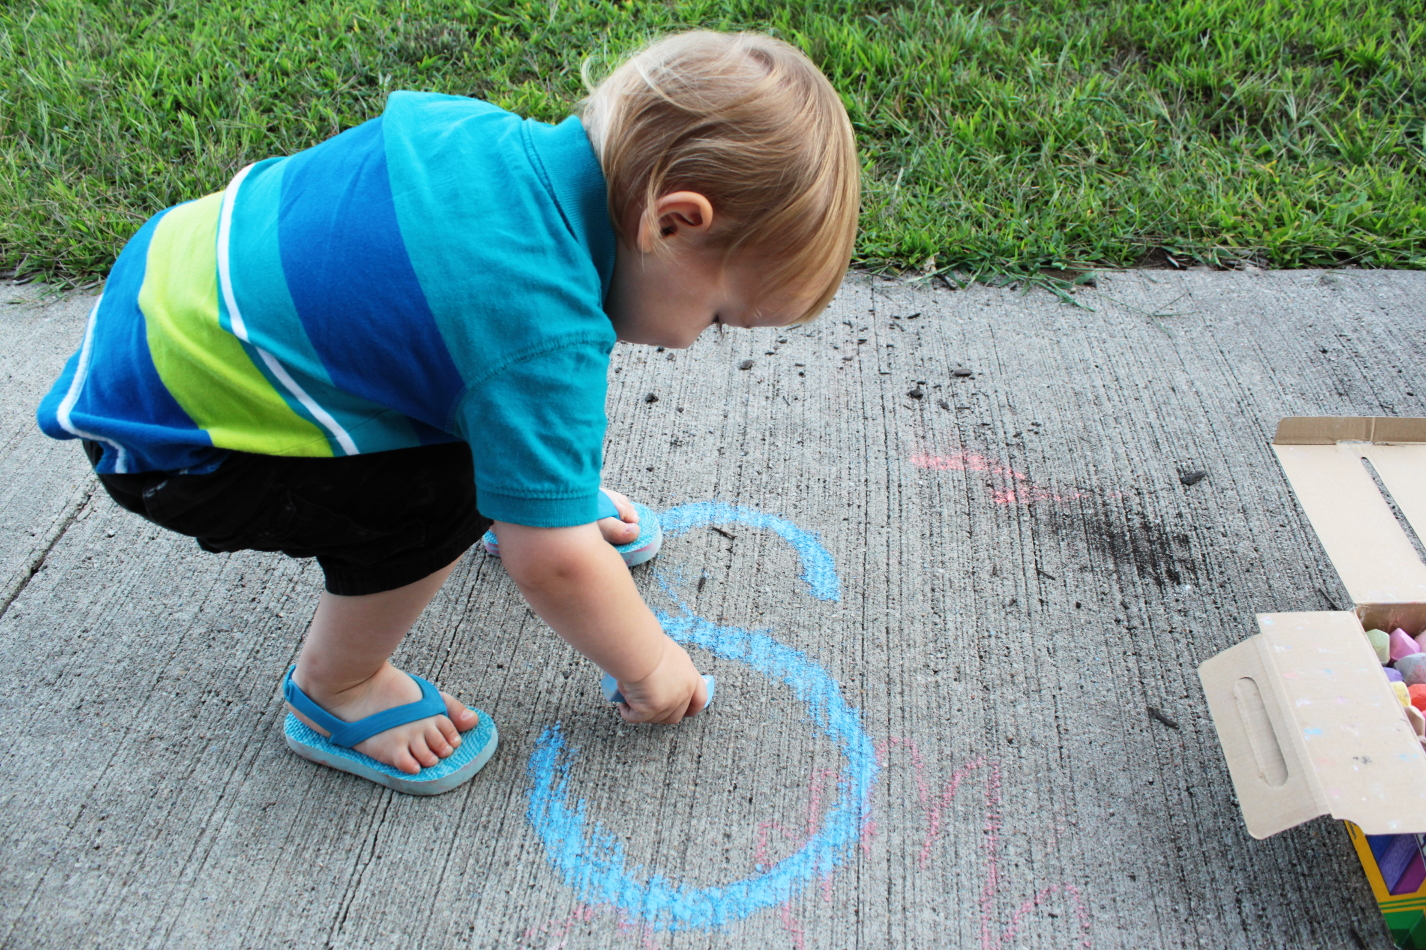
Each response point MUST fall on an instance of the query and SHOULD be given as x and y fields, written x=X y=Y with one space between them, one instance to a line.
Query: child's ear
x=680 y=214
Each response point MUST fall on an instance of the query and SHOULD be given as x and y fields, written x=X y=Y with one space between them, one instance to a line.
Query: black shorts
x=374 y=522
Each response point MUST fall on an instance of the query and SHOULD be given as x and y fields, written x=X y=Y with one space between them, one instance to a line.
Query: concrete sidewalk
x=957 y=594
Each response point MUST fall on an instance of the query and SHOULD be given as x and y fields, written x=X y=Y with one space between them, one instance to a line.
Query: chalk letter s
x=593 y=862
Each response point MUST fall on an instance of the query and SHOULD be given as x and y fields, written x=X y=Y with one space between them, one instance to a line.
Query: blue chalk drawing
x=593 y=862
x=818 y=569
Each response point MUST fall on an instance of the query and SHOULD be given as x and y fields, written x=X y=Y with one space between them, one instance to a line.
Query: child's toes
x=616 y=531
x=406 y=762
x=448 y=731
x=463 y=718
x=436 y=741
x=422 y=752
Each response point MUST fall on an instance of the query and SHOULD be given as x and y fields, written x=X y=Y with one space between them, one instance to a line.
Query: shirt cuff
x=538 y=512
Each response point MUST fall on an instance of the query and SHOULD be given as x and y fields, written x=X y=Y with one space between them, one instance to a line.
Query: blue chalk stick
x=611 y=689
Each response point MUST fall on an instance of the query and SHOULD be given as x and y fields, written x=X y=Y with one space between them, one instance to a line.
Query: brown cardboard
x=1310 y=727
x=1324 y=430
x=1308 y=722
x=1377 y=562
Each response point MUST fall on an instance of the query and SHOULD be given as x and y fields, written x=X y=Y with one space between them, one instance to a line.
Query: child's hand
x=580 y=586
x=672 y=691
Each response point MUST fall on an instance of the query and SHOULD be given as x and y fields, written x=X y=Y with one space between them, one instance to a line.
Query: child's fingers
x=673 y=717
x=700 y=699
x=670 y=716
x=634 y=715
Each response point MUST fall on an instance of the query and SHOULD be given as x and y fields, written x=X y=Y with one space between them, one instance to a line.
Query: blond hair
x=751 y=124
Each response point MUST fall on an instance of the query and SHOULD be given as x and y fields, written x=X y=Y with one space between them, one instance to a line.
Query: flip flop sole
x=476 y=747
x=647 y=544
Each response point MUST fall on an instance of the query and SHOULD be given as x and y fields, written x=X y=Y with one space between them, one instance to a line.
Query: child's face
x=668 y=300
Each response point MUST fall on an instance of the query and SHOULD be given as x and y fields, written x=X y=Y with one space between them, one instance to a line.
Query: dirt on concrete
x=956 y=637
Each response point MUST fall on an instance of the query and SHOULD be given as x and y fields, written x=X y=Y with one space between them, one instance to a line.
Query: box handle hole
x=1272 y=767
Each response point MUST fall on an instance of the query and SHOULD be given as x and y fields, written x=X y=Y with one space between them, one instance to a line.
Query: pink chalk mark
x=817 y=785
x=1020 y=491
x=760 y=854
x=820 y=780
x=869 y=819
x=868 y=833
x=646 y=932
x=789 y=921
x=1081 y=912
x=555 y=930
x=964 y=461
x=934 y=809
x=990 y=845
x=991 y=894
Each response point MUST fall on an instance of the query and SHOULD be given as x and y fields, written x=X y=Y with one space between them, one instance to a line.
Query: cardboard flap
x=1250 y=714
x=1375 y=559
x=1402 y=469
x=1324 y=430
x=1310 y=727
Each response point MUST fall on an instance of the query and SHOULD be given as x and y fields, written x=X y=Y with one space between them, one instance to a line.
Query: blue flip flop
x=475 y=749
x=643 y=548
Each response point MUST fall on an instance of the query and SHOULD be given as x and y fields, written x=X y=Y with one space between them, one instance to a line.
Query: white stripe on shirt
x=76 y=385
x=240 y=329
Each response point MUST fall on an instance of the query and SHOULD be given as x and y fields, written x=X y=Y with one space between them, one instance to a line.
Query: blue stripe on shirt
x=260 y=289
x=352 y=282
x=124 y=386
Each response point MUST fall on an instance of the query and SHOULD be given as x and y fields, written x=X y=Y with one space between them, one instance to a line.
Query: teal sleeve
x=536 y=434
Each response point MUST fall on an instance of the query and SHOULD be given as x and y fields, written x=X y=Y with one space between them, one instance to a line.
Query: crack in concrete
x=67 y=517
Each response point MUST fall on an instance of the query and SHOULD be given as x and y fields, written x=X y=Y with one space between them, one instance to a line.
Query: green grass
x=998 y=139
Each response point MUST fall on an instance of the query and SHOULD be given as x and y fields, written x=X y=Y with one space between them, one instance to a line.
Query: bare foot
x=623 y=529
x=411 y=747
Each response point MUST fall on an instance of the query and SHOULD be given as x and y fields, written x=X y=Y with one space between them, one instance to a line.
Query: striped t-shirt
x=434 y=274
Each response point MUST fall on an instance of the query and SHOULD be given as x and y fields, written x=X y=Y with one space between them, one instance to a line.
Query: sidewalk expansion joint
x=18 y=582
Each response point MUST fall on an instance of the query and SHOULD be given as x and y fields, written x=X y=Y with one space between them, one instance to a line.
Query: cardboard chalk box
x=1307 y=719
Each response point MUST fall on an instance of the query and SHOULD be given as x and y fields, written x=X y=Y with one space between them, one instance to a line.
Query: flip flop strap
x=348 y=734
x=607 y=508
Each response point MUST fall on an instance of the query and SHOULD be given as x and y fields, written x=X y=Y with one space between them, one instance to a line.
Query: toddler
x=374 y=350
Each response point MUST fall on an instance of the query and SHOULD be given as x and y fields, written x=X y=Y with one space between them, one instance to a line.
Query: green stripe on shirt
x=207 y=369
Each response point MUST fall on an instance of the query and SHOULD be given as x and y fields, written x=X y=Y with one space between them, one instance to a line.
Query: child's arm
x=578 y=584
